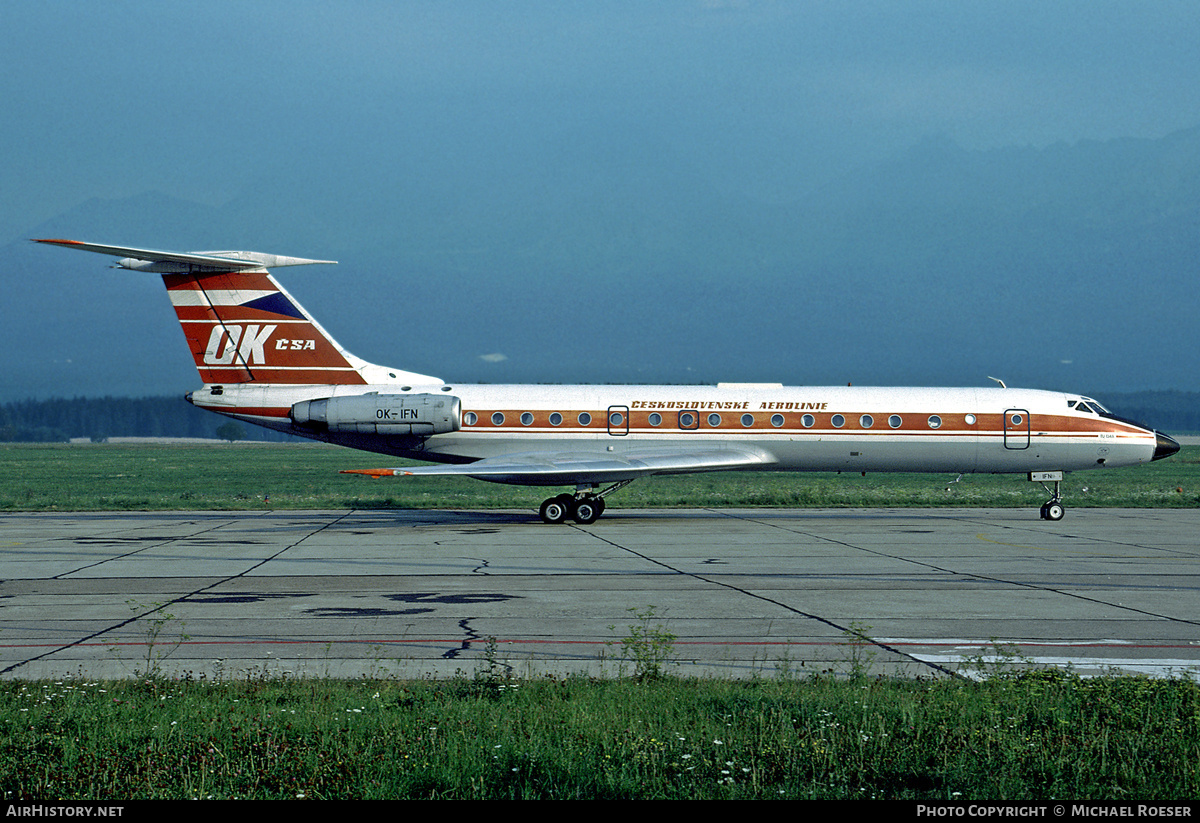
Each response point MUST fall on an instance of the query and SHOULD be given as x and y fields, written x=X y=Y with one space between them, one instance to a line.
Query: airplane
x=264 y=359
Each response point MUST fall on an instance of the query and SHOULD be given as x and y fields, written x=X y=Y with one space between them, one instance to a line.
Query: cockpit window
x=1087 y=404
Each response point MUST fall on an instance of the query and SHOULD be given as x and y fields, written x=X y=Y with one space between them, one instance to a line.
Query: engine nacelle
x=418 y=415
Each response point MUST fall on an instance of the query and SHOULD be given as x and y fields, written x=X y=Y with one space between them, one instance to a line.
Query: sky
x=111 y=99
x=767 y=101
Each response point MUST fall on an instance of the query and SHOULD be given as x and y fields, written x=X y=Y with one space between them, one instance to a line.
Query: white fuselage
x=825 y=428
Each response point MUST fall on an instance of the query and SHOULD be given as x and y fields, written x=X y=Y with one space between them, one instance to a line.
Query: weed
x=860 y=650
x=785 y=669
x=995 y=660
x=158 y=647
x=648 y=646
x=492 y=672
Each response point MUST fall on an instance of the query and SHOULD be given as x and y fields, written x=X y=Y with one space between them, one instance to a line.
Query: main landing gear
x=1053 y=508
x=584 y=507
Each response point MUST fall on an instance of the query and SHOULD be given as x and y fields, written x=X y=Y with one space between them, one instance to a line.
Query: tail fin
x=241 y=325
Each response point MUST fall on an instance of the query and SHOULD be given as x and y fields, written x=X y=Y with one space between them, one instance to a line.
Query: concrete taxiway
x=920 y=592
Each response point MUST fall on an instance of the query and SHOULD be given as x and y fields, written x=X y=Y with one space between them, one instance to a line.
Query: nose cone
x=1165 y=447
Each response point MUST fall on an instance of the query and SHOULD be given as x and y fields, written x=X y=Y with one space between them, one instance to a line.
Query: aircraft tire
x=585 y=511
x=553 y=511
x=1054 y=511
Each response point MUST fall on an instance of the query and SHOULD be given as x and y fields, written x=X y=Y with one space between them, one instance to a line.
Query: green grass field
x=1038 y=736
x=103 y=477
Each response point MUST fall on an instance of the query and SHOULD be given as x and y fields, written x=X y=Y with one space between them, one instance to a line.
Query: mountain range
x=1066 y=266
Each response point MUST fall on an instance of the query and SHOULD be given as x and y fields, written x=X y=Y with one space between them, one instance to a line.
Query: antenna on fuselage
x=998 y=380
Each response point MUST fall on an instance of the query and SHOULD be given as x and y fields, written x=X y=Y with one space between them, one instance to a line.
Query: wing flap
x=564 y=468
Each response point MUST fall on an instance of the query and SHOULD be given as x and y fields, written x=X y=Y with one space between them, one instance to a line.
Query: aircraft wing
x=564 y=468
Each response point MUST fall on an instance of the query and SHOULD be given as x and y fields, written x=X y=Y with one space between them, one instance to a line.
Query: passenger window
x=556 y=419
x=747 y=420
x=655 y=419
x=585 y=419
x=526 y=419
x=777 y=420
x=497 y=419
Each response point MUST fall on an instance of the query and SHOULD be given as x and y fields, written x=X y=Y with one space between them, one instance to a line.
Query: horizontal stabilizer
x=177 y=261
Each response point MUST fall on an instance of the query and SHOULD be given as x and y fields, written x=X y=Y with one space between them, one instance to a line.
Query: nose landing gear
x=1052 y=509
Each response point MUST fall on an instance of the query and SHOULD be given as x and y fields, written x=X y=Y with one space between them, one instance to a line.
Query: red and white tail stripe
x=243 y=327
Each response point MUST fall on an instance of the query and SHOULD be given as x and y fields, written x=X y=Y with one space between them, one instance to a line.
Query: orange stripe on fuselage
x=911 y=423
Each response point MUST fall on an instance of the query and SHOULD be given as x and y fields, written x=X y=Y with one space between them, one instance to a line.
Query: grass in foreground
x=101 y=477
x=1041 y=735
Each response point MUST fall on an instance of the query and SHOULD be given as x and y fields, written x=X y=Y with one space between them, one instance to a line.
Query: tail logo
x=225 y=340
x=284 y=344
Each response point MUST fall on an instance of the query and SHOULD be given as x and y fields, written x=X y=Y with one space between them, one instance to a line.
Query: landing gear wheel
x=585 y=510
x=1053 y=508
x=554 y=510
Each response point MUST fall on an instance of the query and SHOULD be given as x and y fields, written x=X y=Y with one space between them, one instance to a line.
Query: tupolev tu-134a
x=265 y=360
